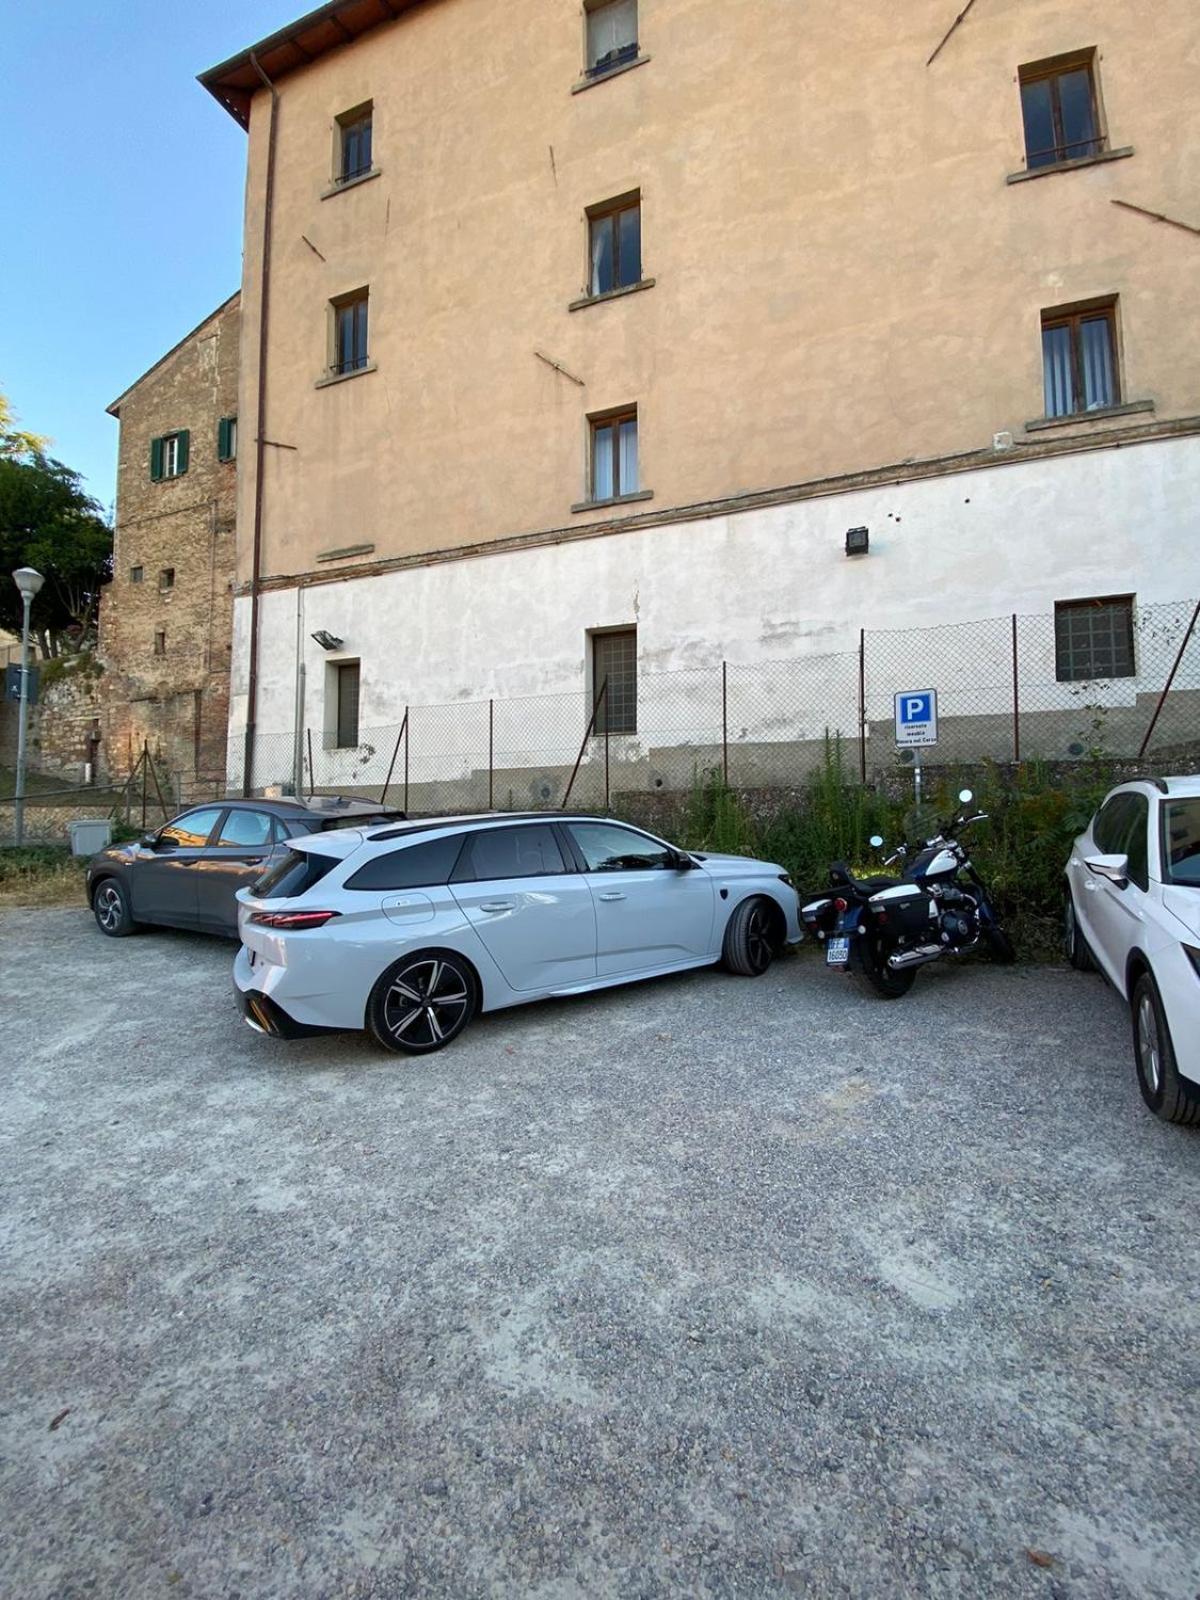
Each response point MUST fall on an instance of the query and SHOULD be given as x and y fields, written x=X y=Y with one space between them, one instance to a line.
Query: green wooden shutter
x=182 y=458
x=223 y=439
x=156 y=460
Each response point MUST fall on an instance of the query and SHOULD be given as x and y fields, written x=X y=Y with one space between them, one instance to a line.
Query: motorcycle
x=888 y=927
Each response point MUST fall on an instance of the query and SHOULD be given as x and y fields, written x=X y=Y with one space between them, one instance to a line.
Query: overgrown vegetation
x=41 y=875
x=1020 y=851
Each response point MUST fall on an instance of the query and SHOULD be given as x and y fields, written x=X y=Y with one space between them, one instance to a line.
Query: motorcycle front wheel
x=874 y=970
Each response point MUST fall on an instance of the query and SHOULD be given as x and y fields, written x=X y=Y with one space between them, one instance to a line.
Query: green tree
x=14 y=441
x=48 y=521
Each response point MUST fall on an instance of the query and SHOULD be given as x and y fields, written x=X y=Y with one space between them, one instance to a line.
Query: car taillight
x=294 y=921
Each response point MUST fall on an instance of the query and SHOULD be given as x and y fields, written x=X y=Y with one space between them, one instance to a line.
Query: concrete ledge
x=343 y=377
x=350 y=183
x=1129 y=409
x=612 y=294
x=617 y=500
x=1070 y=166
x=346 y=552
x=613 y=72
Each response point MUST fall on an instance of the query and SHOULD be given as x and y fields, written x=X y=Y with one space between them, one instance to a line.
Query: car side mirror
x=1115 y=868
x=148 y=841
x=683 y=862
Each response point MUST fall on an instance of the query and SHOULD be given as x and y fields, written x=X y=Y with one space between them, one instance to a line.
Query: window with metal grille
x=1079 y=359
x=614 y=454
x=350 y=332
x=612 y=35
x=615 y=245
x=1094 y=639
x=347 y=704
x=614 y=664
x=354 y=143
x=1060 y=110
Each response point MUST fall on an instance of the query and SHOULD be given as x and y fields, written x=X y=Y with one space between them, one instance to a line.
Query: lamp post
x=28 y=582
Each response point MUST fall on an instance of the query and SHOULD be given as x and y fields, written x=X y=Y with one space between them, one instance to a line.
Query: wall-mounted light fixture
x=328 y=641
x=858 y=541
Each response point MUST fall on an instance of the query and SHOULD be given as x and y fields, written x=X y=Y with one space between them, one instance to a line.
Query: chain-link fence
x=1009 y=689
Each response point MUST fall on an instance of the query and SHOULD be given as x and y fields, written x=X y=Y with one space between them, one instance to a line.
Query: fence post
x=491 y=755
x=601 y=700
x=145 y=751
x=387 y=782
x=1016 y=696
x=1162 y=699
x=407 y=737
x=606 y=720
x=312 y=782
x=725 y=721
x=862 y=704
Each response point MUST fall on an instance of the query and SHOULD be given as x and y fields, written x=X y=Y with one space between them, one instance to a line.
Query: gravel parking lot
x=712 y=1287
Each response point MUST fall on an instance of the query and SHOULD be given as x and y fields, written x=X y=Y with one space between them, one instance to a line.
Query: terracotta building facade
x=592 y=331
x=166 y=617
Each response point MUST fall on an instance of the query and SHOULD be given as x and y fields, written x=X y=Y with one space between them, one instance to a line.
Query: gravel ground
x=710 y=1287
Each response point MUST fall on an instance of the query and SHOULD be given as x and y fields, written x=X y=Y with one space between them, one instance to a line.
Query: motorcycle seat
x=840 y=876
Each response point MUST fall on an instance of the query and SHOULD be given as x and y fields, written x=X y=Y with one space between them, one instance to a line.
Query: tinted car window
x=291 y=875
x=529 y=852
x=607 y=847
x=192 y=829
x=1135 y=843
x=414 y=866
x=1111 y=824
x=245 y=828
x=1181 y=841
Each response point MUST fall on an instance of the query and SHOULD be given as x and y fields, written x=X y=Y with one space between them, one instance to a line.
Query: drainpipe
x=298 y=718
x=260 y=434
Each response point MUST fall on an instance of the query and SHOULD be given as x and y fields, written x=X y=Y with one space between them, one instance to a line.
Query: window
x=1121 y=828
x=169 y=455
x=521 y=852
x=350 y=332
x=1181 y=841
x=166 y=580
x=1079 y=359
x=294 y=872
x=1093 y=639
x=1060 y=110
x=354 y=143
x=136 y=574
x=245 y=828
x=612 y=34
x=615 y=245
x=608 y=847
x=416 y=866
x=160 y=643
x=614 y=454
x=191 y=831
x=614 y=664
x=347 y=704
x=227 y=439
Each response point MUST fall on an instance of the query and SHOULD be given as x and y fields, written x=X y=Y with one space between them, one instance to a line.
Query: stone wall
x=67 y=714
x=166 y=617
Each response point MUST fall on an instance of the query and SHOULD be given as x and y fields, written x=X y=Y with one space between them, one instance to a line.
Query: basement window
x=346 y=684
x=1094 y=639
x=614 y=668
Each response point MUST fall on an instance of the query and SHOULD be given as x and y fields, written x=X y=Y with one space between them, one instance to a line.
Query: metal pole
x=22 y=722
x=862 y=704
x=312 y=782
x=606 y=762
x=725 y=721
x=145 y=759
x=1016 y=696
x=491 y=755
x=917 y=779
x=407 y=736
x=1162 y=699
x=392 y=763
x=587 y=734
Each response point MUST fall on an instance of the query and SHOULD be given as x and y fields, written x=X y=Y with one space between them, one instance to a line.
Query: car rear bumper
x=265 y=1015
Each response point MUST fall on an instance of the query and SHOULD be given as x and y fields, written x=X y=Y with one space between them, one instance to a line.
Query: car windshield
x=1181 y=841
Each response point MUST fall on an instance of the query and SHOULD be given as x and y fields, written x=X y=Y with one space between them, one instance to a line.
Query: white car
x=408 y=930
x=1133 y=910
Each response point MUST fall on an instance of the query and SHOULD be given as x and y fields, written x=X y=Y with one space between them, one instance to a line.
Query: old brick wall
x=68 y=708
x=165 y=644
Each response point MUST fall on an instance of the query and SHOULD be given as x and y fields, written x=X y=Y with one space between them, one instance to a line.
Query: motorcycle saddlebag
x=905 y=911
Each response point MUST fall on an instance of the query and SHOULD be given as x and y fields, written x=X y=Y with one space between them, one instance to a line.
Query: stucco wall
x=770 y=591
x=843 y=277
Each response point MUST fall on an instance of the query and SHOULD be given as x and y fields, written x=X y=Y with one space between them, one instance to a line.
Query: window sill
x=344 y=377
x=349 y=183
x=1070 y=166
x=616 y=500
x=612 y=294
x=1129 y=409
x=612 y=72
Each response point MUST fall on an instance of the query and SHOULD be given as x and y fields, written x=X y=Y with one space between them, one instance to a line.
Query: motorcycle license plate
x=837 y=952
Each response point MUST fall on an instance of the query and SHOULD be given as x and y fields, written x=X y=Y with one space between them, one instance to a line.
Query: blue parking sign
x=916 y=717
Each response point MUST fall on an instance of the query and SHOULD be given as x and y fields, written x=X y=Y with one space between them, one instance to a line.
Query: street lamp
x=28 y=582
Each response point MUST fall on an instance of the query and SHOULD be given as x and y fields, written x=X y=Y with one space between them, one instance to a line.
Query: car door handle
x=496 y=905
x=612 y=894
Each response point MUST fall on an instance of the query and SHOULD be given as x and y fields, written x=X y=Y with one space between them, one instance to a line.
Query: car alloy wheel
x=108 y=907
x=427 y=1002
x=1149 y=1045
x=758 y=939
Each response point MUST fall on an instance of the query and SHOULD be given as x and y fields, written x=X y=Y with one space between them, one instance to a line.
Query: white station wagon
x=408 y=930
x=1133 y=910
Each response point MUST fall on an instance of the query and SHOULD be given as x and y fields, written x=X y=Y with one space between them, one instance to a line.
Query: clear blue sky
x=121 y=197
